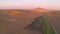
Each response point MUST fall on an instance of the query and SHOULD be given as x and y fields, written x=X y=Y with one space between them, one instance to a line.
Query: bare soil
x=14 y=22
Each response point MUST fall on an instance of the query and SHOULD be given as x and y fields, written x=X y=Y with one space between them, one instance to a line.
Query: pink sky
x=28 y=4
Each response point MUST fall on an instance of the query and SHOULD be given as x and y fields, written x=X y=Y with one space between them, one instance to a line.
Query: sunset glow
x=28 y=4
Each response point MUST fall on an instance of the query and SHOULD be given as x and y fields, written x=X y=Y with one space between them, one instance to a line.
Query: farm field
x=55 y=19
x=14 y=21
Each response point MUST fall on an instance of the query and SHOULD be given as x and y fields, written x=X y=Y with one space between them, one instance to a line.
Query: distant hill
x=40 y=10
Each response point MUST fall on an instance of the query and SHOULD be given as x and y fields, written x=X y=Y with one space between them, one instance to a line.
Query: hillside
x=40 y=10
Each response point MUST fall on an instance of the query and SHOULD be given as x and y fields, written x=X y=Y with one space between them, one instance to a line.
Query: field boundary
x=48 y=27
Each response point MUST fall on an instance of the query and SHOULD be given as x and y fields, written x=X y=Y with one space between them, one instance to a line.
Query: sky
x=28 y=4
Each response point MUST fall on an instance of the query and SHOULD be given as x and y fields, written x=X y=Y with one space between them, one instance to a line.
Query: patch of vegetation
x=48 y=29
